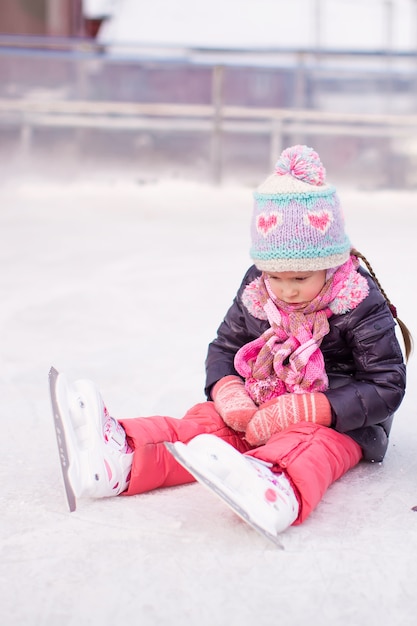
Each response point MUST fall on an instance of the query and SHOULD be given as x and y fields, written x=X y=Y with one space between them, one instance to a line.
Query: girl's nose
x=289 y=291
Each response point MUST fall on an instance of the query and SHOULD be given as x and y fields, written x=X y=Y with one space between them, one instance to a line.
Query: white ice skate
x=259 y=496
x=94 y=455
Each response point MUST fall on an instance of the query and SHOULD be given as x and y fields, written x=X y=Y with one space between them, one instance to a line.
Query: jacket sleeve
x=237 y=328
x=375 y=386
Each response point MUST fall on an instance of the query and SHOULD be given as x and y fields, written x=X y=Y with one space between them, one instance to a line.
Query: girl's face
x=296 y=287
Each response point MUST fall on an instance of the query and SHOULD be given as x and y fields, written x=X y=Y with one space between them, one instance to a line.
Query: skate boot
x=95 y=456
x=264 y=499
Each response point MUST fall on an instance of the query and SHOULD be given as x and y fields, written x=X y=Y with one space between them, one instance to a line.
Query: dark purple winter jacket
x=363 y=361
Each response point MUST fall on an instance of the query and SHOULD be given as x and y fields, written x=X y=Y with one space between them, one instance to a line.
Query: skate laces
x=115 y=435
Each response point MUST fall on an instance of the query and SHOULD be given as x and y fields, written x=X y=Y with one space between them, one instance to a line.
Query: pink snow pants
x=312 y=456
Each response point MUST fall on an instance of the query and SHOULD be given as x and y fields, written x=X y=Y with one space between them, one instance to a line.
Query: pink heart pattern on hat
x=320 y=220
x=266 y=222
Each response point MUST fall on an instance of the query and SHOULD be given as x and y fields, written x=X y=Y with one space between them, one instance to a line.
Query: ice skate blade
x=61 y=441
x=206 y=482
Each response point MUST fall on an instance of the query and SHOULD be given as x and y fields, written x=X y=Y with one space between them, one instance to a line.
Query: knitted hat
x=297 y=222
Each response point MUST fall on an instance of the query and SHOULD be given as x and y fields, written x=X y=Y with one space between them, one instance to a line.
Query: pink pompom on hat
x=297 y=222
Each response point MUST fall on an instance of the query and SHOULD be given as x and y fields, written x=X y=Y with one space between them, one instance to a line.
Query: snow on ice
x=126 y=284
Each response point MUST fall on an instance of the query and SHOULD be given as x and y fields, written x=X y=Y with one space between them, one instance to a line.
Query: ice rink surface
x=126 y=284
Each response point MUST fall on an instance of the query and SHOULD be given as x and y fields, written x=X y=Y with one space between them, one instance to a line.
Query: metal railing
x=217 y=114
x=216 y=120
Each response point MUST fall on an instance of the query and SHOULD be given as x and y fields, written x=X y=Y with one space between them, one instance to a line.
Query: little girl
x=303 y=378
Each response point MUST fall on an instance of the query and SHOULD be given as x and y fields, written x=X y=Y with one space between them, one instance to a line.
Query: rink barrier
x=215 y=119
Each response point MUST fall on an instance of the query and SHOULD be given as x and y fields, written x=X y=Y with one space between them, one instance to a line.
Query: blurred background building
x=209 y=91
x=65 y=18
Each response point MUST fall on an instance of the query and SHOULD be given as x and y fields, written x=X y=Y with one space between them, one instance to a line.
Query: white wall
x=346 y=24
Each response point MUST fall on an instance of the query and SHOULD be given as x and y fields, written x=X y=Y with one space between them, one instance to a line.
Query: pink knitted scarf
x=287 y=357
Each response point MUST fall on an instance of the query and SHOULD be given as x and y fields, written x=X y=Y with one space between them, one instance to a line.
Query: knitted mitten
x=233 y=402
x=290 y=408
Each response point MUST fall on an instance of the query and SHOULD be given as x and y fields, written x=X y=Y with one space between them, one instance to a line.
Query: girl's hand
x=233 y=402
x=290 y=408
